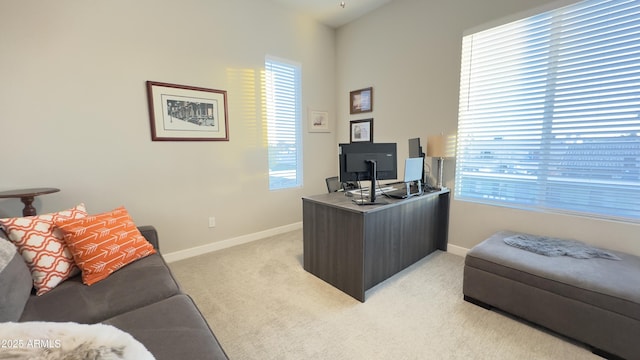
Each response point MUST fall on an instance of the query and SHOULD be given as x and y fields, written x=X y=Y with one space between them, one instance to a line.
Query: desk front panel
x=356 y=247
x=397 y=238
x=333 y=246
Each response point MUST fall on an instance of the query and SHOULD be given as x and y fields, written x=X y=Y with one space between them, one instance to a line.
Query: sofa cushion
x=15 y=282
x=607 y=284
x=151 y=234
x=140 y=283
x=103 y=243
x=180 y=332
x=43 y=249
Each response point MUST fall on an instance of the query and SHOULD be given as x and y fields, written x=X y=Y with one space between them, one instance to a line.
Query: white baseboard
x=224 y=244
x=457 y=250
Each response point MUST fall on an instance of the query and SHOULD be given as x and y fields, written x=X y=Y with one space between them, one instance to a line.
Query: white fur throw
x=548 y=246
x=70 y=341
x=7 y=250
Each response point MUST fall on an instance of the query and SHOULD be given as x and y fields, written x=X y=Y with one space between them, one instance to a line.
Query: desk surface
x=339 y=199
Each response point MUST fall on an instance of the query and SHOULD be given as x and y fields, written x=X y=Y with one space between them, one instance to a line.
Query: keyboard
x=401 y=192
x=397 y=193
x=365 y=192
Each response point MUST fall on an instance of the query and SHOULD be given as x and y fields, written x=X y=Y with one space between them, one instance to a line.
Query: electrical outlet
x=212 y=221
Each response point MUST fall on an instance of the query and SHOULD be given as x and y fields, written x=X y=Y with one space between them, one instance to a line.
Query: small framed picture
x=318 y=121
x=361 y=130
x=187 y=113
x=361 y=101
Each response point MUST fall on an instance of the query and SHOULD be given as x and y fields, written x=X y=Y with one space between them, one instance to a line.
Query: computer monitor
x=353 y=165
x=415 y=151
x=368 y=161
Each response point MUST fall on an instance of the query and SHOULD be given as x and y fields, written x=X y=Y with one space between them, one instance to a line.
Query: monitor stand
x=419 y=186
x=373 y=169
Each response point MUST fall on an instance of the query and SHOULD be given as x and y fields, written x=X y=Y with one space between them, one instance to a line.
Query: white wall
x=409 y=51
x=74 y=110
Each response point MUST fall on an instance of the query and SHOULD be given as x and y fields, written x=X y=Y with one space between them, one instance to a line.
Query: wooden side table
x=27 y=196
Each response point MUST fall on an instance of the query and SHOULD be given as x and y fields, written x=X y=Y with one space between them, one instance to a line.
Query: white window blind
x=282 y=82
x=549 y=112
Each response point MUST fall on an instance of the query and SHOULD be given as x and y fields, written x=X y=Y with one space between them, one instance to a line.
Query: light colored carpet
x=262 y=304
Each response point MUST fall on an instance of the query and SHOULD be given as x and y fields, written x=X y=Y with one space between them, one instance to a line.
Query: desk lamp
x=441 y=147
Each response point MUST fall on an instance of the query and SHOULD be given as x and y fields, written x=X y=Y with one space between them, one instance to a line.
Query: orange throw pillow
x=103 y=243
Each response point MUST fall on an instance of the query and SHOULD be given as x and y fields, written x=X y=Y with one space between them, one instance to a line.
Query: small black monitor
x=354 y=165
x=415 y=150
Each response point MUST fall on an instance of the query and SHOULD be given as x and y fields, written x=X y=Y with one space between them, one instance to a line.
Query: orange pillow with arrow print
x=103 y=243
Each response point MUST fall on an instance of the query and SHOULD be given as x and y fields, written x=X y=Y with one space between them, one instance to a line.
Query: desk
x=356 y=247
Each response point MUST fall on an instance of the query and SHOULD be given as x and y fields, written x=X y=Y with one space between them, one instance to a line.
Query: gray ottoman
x=595 y=301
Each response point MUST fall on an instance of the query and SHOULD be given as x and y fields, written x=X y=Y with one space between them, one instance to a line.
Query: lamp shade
x=441 y=146
x=436 y=146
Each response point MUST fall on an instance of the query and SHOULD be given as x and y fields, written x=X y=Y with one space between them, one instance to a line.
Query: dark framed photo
x=187 y=113
x=361 y=130
x=361 y=101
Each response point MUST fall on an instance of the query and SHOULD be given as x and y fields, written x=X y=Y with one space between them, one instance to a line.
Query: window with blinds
x=282 y=83
x=549 y=112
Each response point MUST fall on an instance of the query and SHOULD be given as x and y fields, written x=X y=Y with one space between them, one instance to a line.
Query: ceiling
x=330 y=12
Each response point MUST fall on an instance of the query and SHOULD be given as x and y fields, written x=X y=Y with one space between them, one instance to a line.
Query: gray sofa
x=142 y=299
x=595 y=301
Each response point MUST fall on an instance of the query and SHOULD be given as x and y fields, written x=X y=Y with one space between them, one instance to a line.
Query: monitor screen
x=415 y=150
x=355 y=161
x=413 y=169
